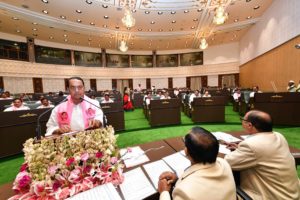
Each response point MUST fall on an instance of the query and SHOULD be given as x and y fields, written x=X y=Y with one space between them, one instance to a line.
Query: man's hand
x=232 y=146
x=62 y=130
x=163 y=185
x=94 y=124
x=169 y=176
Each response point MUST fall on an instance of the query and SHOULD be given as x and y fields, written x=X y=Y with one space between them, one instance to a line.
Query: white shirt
x=236 y=96
x=12 y=108
x=193 y=96
x=109 y=101
x=42 y=106
x=77 y=122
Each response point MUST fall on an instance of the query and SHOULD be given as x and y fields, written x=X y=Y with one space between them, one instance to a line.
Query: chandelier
x=128 y=19
x=123 y=46
x=220 y=15
x=203 y=44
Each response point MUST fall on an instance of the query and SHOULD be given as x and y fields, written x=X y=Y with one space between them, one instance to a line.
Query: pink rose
x=129 y=150
x=91 y=113
x=39 y=188
x=23 y=167
x=87 y=169
x=22 y=182
x=52 y=170
x=70 y=161
x=99 y=155
x=62 y=193
x=113 y=160
x=75 y=176
x=84 y=157
x=56 y=185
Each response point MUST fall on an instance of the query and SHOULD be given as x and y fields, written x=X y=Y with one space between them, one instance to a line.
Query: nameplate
x=296 y=154
x=28 y=115
x=209 y=100
x=165 y=102
x=105 y=106
x=276 y=96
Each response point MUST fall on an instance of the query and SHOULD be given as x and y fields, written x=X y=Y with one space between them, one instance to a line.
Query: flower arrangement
x=61 y=167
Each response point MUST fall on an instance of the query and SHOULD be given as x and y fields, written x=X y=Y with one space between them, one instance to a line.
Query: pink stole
x=65 y=110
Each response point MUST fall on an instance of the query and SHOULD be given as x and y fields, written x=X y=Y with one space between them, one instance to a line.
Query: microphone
x=38 y=125
x=104 y=117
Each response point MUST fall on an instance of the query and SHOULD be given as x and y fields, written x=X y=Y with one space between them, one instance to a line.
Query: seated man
x=77 y=113
x=107 y=99
x=254 y=90
x=267 y=168
x=206 y=94
x=208 y=177
x=194 y=95
x=45 y=104
x=17 y=105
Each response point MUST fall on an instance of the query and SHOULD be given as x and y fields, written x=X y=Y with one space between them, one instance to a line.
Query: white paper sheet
x=177 y=162
x=245 y=136
x=103 y=192
x=225 y=137
x=155 y=169
x=135 y=157
x=136 y=186
x=223 y=149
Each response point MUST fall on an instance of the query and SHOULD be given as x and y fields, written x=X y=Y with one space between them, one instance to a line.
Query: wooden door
x=148 y=83
x=170 y=82
x=66 y=84
x=37 y=85
x=93 y=84
x=1 y=83
x=204 y=81
x=188 y=82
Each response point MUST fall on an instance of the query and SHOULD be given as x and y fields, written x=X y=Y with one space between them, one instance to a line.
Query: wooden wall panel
x=278 y=65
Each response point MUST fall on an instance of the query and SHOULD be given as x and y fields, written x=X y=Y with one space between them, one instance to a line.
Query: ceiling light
x=34 y=29
x=123 y=46
x=15 y=18
x=34 y=23
x=66 y=40
x=152 y=22
x=90 y=39
x=92 y=23
x=63 y=17
x=133 y=11
x=173 y=12
x=117 y=27
x=45 y=1
x=147 y=12
x=106 y=17
x=171 y=29
x=79 y=20
x=45 y=11
x=139 y=29
x=220 y=15
x=88 y=2
x=236 y=20
x=249 y=17
x=173 y=21
x=78 y=11
x=186 y=11
x=105 y=26
x=18 y=31
x=51 y=38
x=195 y=20
x=193 y=27
x=159 y=12
x=199 y=9
x=160 y=30
x=77 y=42
x=149 y=29
x=128 y=20
x=203 y=44
x=35 y=35
x=256 y=7
x=248 y=1
x=297 y=46
x=65 y=35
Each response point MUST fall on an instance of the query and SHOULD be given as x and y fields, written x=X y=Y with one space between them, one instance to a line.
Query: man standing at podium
x=77 y=113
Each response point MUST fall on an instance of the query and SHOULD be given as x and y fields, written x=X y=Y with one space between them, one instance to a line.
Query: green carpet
x=139 y=131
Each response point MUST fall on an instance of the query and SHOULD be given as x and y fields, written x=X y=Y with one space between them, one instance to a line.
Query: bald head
x=260 y=120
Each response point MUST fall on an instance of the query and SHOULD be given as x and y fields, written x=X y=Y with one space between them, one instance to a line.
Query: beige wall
x=279 y=65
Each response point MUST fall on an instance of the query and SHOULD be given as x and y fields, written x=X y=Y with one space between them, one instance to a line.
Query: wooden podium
x=284 y=108
x=209 y=109
x=115 y=114
x=138 y=100
x=164 y=112
x=18 y=126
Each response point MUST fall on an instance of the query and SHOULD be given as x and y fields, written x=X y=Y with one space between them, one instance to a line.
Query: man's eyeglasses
x=76 y=87
x=243 y=119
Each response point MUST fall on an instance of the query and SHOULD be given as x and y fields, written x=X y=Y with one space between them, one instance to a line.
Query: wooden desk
x=138 y=99
x=164 y=112
x=208 y=109
x=18 y=126
x=115 y=114
x=177 y=144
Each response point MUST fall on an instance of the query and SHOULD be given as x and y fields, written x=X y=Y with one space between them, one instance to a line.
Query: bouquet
x=61 y=167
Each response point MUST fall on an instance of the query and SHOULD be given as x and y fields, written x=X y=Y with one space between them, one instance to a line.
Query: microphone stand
x=104 y=117
x=38 y=126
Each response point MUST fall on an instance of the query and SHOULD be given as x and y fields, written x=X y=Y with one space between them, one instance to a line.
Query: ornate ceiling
x=160 y=24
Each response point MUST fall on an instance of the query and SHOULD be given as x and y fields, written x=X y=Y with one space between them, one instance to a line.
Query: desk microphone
x=104 y=117
x=38 y=126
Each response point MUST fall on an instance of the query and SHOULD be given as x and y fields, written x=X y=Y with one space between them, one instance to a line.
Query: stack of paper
x=136 y=186
x=135 y=157
x=223 y=149
x=177 y=162
x=155 y=169
x=225 y=137
x=103 y=192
